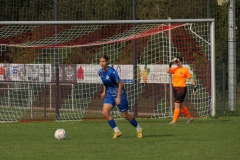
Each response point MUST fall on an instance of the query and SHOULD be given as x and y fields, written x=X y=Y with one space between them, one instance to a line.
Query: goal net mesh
x=50 y=71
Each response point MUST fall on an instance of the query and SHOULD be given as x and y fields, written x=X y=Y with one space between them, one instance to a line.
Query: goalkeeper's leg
x=176 y=113
x=179 y=94
x=187 y=114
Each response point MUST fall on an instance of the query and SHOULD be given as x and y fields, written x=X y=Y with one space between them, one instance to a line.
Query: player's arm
x=194 y=85
x=120 y=87
x=104 y=92
x=170 y=65
x=169 y=69
x=192 y=81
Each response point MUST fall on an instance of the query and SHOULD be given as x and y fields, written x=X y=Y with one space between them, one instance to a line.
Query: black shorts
x=179 y=94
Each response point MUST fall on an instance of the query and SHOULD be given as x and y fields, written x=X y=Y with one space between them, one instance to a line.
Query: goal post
x=59 y=61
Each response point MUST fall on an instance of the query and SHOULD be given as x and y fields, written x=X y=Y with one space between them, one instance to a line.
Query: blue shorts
x=123 y=106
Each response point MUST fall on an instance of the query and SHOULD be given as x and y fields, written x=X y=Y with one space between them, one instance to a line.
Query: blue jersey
x=110 y=78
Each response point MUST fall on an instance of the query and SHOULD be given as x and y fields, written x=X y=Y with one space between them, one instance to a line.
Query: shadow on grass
x=150 y=136
x=159 y=135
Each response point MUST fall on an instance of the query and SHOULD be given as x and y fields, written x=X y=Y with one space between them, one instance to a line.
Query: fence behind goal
x=49 y=70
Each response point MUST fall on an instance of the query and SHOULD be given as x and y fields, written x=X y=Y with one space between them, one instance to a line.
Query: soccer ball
x=60 y=134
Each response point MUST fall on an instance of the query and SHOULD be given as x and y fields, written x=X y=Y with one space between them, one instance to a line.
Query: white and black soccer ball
x=60 y=134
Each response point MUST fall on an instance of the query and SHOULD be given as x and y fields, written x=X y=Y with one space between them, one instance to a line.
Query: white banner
x=25 y=72
x=38 y=72
x=152 y=74
x=125 y=73
x=88 y=73
x=12 y=72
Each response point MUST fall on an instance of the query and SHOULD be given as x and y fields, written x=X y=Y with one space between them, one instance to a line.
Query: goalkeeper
x=114 y=94
x=180 y=74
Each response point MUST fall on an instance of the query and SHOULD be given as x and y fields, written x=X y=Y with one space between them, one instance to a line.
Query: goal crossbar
x=105 y=22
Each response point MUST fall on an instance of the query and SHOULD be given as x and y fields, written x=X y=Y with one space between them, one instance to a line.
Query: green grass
x=207 y=138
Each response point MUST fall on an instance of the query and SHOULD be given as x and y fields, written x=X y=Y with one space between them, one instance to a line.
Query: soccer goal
x=56 y=64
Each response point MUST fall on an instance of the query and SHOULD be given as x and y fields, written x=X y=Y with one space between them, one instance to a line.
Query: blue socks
x=112 y=123
x=134 y=122
x=115 y=128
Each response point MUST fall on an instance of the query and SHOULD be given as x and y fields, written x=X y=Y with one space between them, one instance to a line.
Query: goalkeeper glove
x=173 y=61
x=194 y=89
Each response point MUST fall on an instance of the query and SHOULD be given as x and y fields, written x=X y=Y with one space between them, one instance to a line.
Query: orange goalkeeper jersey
x=179 y=76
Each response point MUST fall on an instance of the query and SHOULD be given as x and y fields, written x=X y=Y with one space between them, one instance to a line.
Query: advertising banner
x=88 y=73
x=152 y=74
x=84 y=73
x=67 y=73
x=6 y=75
x=38 y=72
x=125 y=72
x=12 y=72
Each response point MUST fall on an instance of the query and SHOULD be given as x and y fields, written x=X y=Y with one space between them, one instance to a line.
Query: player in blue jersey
x=114 y=94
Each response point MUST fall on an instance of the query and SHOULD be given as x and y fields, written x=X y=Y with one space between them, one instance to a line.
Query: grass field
x=209 y=138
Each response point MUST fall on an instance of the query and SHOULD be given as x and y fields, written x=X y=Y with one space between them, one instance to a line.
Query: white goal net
x=48 y=70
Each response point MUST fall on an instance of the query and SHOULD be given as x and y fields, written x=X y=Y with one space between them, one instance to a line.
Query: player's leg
x=123 y=107
x=184 y=108
x=176 y=112
x=132 y=120
x=134 y=123
x=186 y=113
x=106 y=110
x=179 y=97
